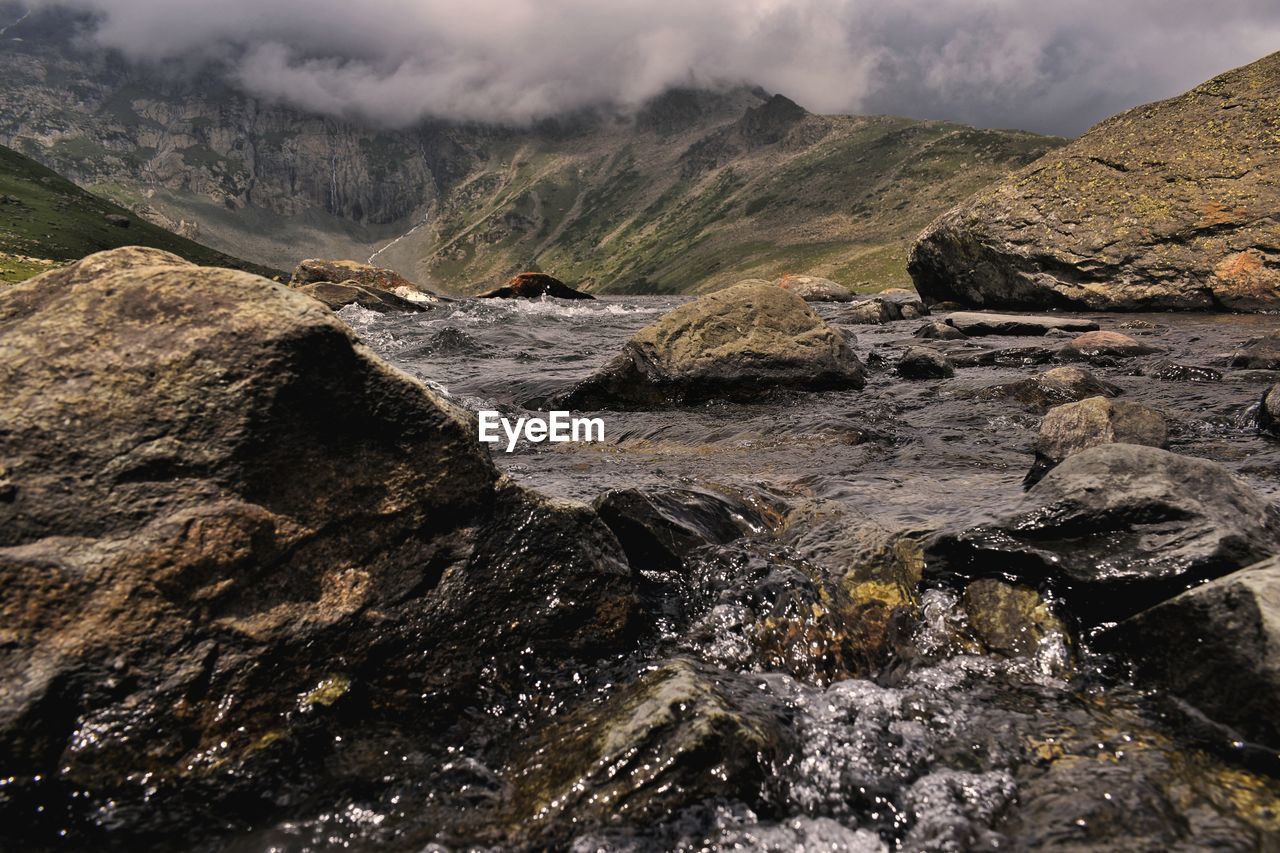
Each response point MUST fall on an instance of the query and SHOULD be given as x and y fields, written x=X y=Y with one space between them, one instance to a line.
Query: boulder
x=682 y=734
x=813 y=289
x=1217 y=647
x=1258 y=354
x=1269 y=411
x=1092 y=345
x=659 y=528
x=1051 y=388
x=338 y=295
x=1116 y=528
x=1073 y=427
x=940 y=330
x=223 y=515
x=924 y=363
x=323 y=271
x=870 y=312
x=535 y=285
x=1147 y=211
x=975 y=324
x=732 y=344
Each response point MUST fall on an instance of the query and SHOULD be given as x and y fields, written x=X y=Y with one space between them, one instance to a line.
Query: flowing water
x=950 y=751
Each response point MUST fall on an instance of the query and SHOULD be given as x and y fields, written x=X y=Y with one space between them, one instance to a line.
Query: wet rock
x=735 y=344
x=338 y=295
x=535 y=285
x=1138 y=214
x=1258 y=354
x=1117 y=528
x=1216 y=646
x=327 y=271
x=1171 y=371
x=232 y=528
x=1073 y=427
x=1052 y=388
x=924 y=363
x=1107 y=344
x=940 y=330
x=682 y=734
x=1269 y=411
x=974 y=324
x=659 y=528
x=1014 y=621
x=813 y=289
x=870 y=312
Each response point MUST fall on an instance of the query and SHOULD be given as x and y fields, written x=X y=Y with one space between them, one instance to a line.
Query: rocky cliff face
x=696 y=190
x=1170 y=205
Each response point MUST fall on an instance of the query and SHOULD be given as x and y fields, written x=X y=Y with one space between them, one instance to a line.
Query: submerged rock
x=975 y=324
x=325 y=271
x=535 y=285
x=1108 y=344
x=224 y=517
x=1258 y=354
x=340 y=294
x=733 y=344
x=1117 y=528
x=684 y=733
x=1052 y=388
x=1014 y=621
x=1216 y=646
x=924 y=363
x=1146 y=211
x=813 y=289
x=1073 y=427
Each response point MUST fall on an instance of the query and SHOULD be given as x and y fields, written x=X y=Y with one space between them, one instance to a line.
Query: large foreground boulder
x=1117 y=528
x=1218 y=647
x=1166 y=206
x=733 y=344
x=221 y=514
x=535 y=285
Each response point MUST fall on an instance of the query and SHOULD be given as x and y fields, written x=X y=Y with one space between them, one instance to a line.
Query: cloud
x=1009 y=63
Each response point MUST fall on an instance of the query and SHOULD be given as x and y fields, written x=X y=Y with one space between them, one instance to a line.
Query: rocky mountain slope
x=696 y=190
x=1170 y=205
x=46 y=220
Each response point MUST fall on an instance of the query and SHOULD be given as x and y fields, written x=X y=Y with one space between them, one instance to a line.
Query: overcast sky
x=1054 y=67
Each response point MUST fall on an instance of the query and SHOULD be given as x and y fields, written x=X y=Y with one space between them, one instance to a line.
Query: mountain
x=45 y=220
x=1172 y=205
x=696 y=190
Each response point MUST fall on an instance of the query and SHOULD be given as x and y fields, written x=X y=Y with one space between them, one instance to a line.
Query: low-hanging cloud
x=1008 y=63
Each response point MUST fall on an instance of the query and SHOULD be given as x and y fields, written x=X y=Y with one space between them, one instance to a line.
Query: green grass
x=44 y=217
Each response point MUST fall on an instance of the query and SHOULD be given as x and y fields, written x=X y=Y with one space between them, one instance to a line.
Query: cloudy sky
x=1054 y=67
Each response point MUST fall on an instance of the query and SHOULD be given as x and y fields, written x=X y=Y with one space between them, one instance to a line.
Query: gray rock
x=814 y=289
x=337 y=295
x=974 y=323
x=940 y=330
x=1269 y=411
x=321 y=271
x=870 y=312
x=224 y=514
x=924 y=363
x=732 y=344
x=1258 y=354
x=1217 y=647
x=1117 y=528
x=1073 y=427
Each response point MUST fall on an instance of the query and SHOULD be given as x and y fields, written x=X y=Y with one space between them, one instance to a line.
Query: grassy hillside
x=636 y=211
x=46 y=220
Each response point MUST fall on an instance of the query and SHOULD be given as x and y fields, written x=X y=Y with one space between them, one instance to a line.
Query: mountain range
x=695 y=190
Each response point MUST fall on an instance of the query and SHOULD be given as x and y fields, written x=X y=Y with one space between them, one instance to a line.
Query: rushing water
x=957 y=751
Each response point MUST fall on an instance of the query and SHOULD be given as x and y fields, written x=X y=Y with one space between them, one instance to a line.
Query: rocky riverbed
x=277 y=598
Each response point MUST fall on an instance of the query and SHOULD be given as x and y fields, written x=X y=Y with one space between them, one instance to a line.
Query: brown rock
x=317 y=271
x=1073 y=427
x=1112 y=344
x=535 y=285
x=814 y=289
